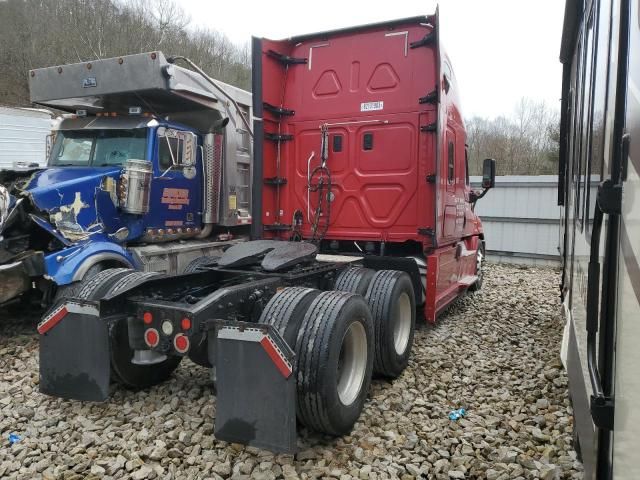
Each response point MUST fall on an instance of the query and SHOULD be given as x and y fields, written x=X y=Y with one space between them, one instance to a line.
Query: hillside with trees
x=41 y=33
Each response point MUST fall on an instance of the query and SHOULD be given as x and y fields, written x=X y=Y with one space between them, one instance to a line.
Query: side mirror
x=189 y=148
x=488 y=173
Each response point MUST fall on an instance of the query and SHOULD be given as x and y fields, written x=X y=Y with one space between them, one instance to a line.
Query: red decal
x=52 y=320
x=277 y=357
x=175 y=196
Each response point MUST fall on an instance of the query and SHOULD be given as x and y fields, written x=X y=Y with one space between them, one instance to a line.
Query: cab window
x=169 y=151
x=466 y=166
x=451 y=163
x=176 y=148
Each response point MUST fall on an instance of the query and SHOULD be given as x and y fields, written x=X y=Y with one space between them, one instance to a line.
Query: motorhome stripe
x=630 y=261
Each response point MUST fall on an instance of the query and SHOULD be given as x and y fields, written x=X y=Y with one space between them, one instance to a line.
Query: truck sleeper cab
x=362 y=147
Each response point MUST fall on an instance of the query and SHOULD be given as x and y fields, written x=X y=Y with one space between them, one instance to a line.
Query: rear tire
x=477 y=285
x=111 y=281
x=391 y=299
x=197 y=263
x=71 y=290
x=286 y=310
x=334 y=361
x=125 y=372
x=95 y=287
x=354 y=280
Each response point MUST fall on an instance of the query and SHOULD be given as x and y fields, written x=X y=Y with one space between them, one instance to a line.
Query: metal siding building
x=23 y=136
x=521 y=218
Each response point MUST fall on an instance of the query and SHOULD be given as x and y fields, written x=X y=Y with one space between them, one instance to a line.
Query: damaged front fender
x=70 y=265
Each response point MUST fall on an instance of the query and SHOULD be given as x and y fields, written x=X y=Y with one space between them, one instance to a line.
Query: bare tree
x=525 y=143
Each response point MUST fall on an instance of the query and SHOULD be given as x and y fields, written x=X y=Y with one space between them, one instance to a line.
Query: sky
x=501 y=50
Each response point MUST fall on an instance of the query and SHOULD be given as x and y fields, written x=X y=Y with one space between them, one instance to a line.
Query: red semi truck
x=364 y=151
x=363 y=219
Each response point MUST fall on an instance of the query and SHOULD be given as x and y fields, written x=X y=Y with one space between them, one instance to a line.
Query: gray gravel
x=494 y=353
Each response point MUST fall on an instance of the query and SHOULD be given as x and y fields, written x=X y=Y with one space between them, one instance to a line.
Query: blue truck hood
x=79 y=201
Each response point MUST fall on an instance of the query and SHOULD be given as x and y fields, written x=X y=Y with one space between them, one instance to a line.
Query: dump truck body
x=149 y=153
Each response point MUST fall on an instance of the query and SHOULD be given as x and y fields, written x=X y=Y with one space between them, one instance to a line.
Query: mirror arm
x=474 y=196
x=481 y=194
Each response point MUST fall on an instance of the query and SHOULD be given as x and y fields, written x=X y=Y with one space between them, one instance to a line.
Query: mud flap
x=74 y=352
x=256 y=388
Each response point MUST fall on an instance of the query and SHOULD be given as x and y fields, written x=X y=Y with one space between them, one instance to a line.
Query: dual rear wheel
x=343 y=337
x=391 y=299
x=332 y=335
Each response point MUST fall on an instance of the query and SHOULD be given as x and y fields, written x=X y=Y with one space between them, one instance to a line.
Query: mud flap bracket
x=255 y=387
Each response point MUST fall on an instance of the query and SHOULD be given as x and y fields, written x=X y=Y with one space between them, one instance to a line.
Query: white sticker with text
x=369 y=106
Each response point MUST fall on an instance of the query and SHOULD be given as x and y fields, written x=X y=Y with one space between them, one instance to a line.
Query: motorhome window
x=585 y=147
x=599 y=108
x=451 y=163
x=169 y=151
x=98 y=148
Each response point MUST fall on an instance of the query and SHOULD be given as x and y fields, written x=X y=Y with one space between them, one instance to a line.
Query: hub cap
x=352 y=364
x=402 y=326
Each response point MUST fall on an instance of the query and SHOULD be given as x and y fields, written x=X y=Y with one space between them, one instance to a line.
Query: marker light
x=147 y=318
x=185 y=323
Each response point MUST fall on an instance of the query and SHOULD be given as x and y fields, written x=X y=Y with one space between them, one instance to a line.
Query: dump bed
x=375 y=88
x=145 y=80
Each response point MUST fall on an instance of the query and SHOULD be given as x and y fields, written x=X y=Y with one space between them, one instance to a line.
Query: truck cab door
x=176 y=189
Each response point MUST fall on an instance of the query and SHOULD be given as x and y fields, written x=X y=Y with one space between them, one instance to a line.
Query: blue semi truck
x=149 y=168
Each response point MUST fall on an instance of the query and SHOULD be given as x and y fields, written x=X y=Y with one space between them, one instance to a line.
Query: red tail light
x=152 y=337
x=181 y=343
x=147 y=318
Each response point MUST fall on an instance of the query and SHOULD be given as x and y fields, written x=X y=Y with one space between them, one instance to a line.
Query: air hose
x=322 y=186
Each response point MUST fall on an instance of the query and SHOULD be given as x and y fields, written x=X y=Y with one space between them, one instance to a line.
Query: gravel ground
x=494 y=353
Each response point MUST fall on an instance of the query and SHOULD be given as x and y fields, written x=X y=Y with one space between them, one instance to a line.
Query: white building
x=24 y=133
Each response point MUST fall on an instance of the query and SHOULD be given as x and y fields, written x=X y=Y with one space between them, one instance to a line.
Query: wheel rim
x=352 y=363
x=402 y=326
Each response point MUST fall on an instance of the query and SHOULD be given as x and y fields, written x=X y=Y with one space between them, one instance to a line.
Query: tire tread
x=380 y=298
x=100 y=282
